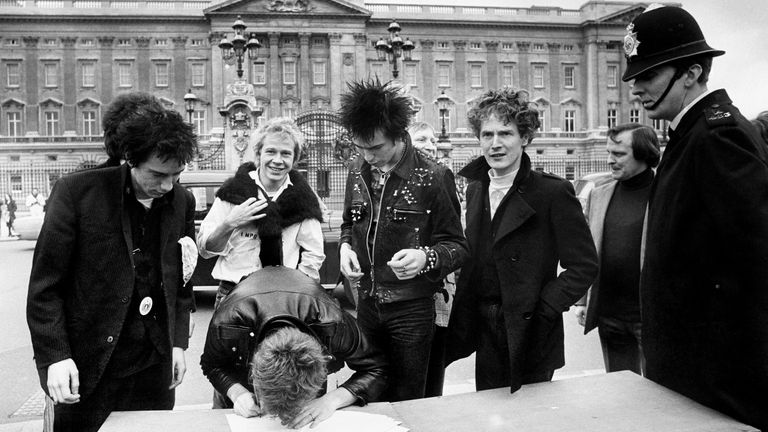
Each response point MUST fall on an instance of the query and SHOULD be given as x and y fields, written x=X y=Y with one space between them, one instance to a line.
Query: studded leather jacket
x=418 y=208
x=278 y=296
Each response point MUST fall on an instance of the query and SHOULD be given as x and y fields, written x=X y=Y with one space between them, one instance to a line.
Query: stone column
x=105 y=59
x=70 y=84
x=460 y=86
x=305 y=78
x=592 y=98
x=142 y=64
x=428 y=81
x=361 y=45
x=275 y=80
x=33 y=84
x=336 y=80
x=492 y=48
x=179 y=65
x=218 y=84
x=555 y=82
x=525 y=65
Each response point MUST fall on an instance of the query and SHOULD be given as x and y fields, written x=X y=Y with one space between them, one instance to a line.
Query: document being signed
x=340 y=421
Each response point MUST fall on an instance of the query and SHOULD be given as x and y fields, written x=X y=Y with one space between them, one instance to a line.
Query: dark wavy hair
x=645 y=142
x=508 y=105
x=123 y=107
x=154 y=130
x=369 y=106
x=287 y=372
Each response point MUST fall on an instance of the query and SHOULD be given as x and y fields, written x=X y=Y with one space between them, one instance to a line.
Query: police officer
x=704 y=288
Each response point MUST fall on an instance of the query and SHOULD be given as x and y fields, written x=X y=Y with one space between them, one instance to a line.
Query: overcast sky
x=736 y=26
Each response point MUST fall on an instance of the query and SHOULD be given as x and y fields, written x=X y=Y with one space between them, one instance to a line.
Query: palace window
x=476 y=75
x=611 y=75
x=508 y=75
x=88 y=70
x=538 y=76
x=634 y=115
x=89 y=123
x=507 y=46
x=409 y=74
x=198 y=121
x=259 y=73
x=569 y=120
x=569 y=76
x=51 y=122
x=13 y=74
x=318 y=73
x=51 y=71
x=289 y=71
x=125 y=74
x=198 y=74
x=14 y=123
x=443 y=75
x=162 y=72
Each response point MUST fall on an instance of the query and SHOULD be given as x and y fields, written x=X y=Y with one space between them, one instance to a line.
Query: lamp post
x=190 y=102
x=442 y=106
x=394 y=47
x=235 y=50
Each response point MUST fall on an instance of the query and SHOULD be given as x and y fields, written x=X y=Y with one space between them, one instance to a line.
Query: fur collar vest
x=297 y=203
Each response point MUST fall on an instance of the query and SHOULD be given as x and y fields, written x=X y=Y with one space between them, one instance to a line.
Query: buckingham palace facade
x=63 y=61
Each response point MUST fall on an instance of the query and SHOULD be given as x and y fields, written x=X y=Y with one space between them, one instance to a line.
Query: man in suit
x=108 y=309
x=704 y=285
x=615 y=213
x=510 y=298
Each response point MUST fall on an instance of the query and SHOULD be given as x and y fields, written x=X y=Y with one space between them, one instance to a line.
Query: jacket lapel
x=512 y=213
x=125 y=171
x=598 y=206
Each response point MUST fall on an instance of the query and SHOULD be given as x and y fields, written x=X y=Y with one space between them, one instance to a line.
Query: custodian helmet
x=659 y=35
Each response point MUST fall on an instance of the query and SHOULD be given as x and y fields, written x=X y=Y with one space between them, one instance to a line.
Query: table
x=619 y=401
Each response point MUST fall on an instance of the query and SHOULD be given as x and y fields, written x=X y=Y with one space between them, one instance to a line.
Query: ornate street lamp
x=235 y=50
x=394 y=47
x=442 y=106
x=190 y=102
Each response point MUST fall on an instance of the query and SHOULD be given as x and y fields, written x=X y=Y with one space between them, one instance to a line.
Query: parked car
x=585 y=184
x=203 y=185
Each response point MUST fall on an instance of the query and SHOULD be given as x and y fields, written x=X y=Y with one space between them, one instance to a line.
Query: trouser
x=144 y=390
x=492 y=369
x=621 y=342
x=404 y=330
x=436 y=368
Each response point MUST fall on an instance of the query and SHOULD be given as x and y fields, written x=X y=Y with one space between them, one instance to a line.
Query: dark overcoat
x=82 y=275
x=540 y=221
x=704 y=287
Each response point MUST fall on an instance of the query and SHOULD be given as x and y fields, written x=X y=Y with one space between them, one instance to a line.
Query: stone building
x=63 y=61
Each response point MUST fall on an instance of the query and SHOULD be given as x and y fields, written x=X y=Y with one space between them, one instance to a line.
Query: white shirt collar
x=676 y=121
x=255 y=176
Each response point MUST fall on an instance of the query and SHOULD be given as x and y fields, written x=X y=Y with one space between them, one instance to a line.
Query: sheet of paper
x=340 y=421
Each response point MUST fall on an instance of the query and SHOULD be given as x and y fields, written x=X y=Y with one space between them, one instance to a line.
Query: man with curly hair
x=401 y=232
x=107 y=308
x=520 y=224
x=295 y=334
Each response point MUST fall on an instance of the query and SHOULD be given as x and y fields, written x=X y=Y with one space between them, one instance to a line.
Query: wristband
x=431 y=259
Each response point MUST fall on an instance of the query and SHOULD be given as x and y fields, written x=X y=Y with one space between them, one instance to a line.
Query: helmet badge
x=630 y=41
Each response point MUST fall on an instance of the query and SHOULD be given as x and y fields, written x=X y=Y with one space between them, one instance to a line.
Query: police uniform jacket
x=704 y=287
x=418 y=209
x=538 y=222
x=283 y=296
x=82 y=276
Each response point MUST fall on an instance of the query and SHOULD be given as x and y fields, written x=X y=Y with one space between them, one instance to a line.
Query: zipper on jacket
x=368 y=234
x=372 y=251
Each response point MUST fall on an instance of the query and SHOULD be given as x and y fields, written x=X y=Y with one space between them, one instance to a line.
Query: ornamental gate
x=327 y=152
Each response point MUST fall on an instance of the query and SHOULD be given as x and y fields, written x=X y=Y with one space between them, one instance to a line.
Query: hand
x=322 y=408
x=245 y=405
x=179 y=367
x=407 y=263
x=581 y=314
x=246 y=212
x=348 y=263
x=64 y=382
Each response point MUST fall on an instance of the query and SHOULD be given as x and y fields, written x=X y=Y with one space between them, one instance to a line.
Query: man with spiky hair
x=108 y=307
x=401 y=232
